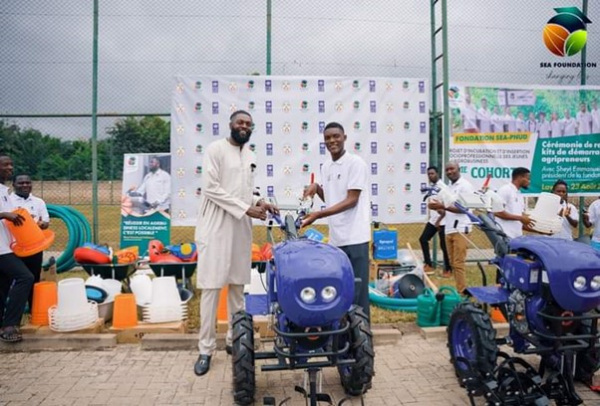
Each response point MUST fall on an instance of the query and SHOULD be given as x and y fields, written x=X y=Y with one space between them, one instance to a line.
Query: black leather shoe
x=228 y=349
x=202 y=365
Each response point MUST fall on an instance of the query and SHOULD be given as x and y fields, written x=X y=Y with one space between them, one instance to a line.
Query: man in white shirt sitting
x=22 y=197
x=15 y=279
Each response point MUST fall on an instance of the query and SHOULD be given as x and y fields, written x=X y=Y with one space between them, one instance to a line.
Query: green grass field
x=109 y=229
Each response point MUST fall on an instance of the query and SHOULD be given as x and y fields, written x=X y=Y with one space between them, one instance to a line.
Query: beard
x=237 y=137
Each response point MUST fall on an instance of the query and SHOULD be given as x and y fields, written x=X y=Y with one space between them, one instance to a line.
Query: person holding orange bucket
x=15 y=279
x=22 y=197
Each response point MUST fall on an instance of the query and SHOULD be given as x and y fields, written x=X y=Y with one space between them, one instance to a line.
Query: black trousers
x=13 y=296
x=359 y=258
x=428 y=233
x=34 y=264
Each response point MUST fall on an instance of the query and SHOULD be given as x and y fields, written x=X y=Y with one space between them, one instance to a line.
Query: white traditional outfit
x=224 y=233
x=157 y=187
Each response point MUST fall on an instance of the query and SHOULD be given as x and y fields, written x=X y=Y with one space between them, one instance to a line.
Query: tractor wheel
x=588 y=362
x=472 y=337
x=242 y=356
x=356 y=379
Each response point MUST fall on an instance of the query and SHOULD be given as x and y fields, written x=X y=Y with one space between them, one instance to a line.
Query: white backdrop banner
x=386 y=121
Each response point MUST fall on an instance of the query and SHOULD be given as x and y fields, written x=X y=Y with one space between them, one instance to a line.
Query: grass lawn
x=109 y=233
x=378 y=315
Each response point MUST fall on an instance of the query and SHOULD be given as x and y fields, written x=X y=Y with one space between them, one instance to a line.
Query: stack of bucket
x=166 y=304
x=45 y=295
x=125 y=311
x=546 y=215
x=73 y=311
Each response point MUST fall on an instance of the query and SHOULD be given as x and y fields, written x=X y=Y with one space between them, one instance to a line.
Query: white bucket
x=547 y=206
x=71 y=296
x=165 y=292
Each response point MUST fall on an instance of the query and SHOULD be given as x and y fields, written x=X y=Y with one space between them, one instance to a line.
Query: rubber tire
x=588 y=362
x=242 y=358
x=356 y=379
x=481 y=340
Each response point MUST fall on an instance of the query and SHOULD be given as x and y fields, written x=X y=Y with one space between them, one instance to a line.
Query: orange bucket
x=497 y=316
x=45 y=295
x=125 y=311
x=29 y=237
x=222 y=308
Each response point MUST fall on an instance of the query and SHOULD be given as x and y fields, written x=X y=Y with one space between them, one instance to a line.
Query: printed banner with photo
x=554 y=131
x=386 y=121
x=146 y=200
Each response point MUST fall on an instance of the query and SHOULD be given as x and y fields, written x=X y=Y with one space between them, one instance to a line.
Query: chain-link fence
x=46 y=65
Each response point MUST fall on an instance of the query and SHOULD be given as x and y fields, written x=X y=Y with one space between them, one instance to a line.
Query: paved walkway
x=414 y=372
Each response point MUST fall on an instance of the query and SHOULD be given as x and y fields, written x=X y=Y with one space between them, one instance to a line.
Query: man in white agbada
x=224 y=230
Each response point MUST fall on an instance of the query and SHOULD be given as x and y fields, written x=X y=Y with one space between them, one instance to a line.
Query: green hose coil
x=79 y=233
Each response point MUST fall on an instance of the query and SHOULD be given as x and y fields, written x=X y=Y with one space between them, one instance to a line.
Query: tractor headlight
x=580 y=283
x=308 y=295
x=595 y=283
x=328 y=293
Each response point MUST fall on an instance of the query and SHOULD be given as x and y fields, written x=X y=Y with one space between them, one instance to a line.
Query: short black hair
x=14 y=179
x=520 y=171
x=235 y=113
x=333 y=124
x=435 y=168
x=560 y=182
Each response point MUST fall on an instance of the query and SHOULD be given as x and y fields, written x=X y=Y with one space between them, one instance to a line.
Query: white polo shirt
x=433 y=214
x=584 y=123
x=567 y=231
x=594 y=216
x=469 y=117
x=34 y=205
x=485 y=124
x=569 y=126
x=458 y=222
x=514 y=203
x=6 y=237
x=352 y=226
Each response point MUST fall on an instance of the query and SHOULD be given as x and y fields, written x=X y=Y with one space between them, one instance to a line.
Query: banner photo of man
x=554 y=131
x=386 y=121
x=146 y=199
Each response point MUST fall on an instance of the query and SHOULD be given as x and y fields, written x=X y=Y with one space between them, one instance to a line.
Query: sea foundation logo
x=565 y=34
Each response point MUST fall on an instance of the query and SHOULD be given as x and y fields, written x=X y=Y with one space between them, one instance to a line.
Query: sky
x=46 y=48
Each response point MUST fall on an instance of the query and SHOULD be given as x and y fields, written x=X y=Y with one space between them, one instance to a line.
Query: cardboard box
x=133 y=335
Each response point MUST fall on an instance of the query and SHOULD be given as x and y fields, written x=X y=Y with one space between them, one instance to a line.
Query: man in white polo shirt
x=512 y=217
x=22 y=197
x=345 y=191
x=15 y=279
x=456 y=223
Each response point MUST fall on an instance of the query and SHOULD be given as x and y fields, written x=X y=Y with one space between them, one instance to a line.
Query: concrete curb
x=153 y=342
x=440 y=332
x=61 y=342
x=150 y=342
